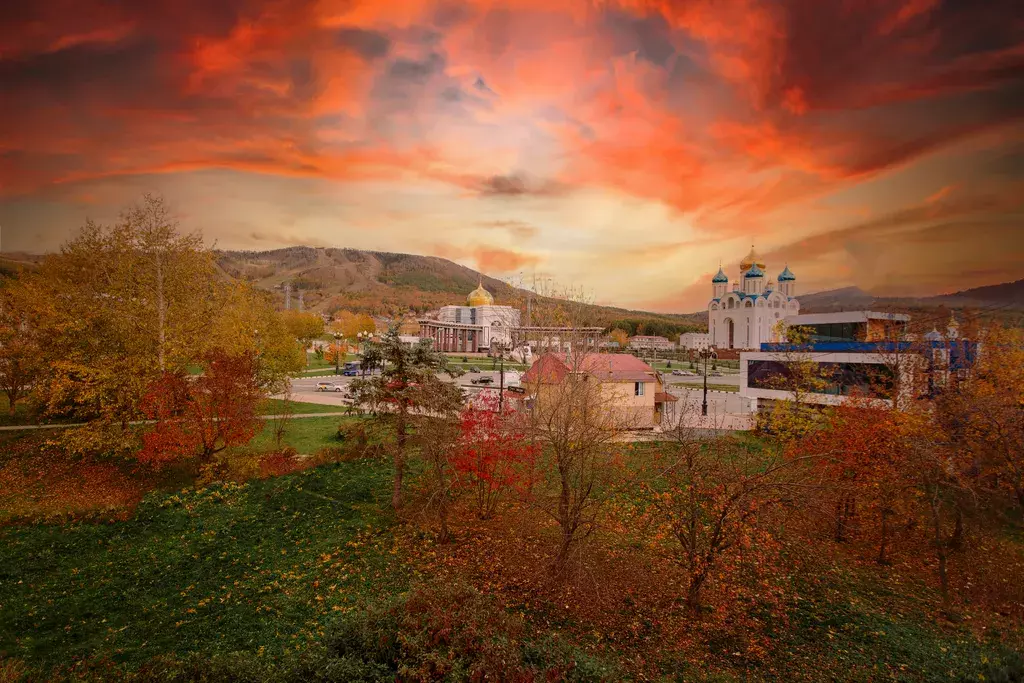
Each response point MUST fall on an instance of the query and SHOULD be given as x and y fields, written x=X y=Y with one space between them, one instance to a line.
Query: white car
x=329 y=386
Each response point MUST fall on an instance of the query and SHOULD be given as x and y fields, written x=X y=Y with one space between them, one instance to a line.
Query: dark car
x=486 y=379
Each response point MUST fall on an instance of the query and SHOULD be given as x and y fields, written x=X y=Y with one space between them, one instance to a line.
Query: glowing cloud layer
x=625 y=146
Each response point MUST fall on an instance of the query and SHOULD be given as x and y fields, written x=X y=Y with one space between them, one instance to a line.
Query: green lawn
x=274 y=406
x=306 y=435
x=314 y=363
x=259 y=567
x=711 y=387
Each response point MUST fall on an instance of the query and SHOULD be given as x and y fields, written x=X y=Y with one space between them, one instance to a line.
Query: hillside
x=999 y=302
x=385 y=283
x=13 y=263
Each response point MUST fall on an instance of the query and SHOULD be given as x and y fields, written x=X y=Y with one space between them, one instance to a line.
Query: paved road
x=304 y=388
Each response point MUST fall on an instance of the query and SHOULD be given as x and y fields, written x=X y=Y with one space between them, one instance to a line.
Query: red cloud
x=730 y=111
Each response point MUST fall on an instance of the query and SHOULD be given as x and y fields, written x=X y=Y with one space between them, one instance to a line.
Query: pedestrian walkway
x=66 y=425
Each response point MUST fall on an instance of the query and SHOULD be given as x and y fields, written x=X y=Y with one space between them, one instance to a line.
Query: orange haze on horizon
x=622 y=146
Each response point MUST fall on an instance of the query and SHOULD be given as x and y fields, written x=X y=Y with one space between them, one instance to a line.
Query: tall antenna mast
x=529 y=301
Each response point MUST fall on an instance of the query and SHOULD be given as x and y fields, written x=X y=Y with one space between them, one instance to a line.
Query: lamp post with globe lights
x=706 y=354
x=361 y=338
x=337 y=353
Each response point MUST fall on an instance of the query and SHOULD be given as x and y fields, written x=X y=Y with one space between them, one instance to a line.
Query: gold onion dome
x=480 y=297
x=752 y=259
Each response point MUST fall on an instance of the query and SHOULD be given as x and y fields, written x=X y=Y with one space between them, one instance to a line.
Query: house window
x=638 y=388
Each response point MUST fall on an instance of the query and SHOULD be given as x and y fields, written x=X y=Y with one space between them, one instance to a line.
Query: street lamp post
x=499 y=349
x=706 y=353
x=361 y=338
x=337 y=353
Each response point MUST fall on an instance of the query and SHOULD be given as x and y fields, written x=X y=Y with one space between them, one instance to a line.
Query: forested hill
x=387 y=283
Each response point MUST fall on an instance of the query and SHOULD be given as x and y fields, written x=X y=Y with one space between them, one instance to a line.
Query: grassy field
x=259 y=567
x=274 y=569
x=306 y=435
x=711 y=387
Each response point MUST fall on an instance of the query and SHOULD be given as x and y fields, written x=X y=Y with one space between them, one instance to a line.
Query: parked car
x=486 y=379
x=473 y=368
x=677 y=372
x=715 y=374
x=329 y=386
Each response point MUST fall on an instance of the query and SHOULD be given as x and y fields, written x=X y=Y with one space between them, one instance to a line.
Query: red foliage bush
x=281 y=462
x=197 y=417
x=494 y=453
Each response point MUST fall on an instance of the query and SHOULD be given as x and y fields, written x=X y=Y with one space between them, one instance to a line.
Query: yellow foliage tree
x=305 y=327
x=349 y=324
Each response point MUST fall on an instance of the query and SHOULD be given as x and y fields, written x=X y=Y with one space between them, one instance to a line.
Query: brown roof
x=664 y=397
x=606 y=367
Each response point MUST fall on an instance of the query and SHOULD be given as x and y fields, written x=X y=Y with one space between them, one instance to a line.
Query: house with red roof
x=630 y=389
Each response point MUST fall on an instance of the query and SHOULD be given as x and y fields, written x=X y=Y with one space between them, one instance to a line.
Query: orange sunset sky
x=622 y=146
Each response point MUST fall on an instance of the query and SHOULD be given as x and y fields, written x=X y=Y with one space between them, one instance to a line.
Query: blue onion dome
x=787 y=275
x=720 y=276
x=755 y=271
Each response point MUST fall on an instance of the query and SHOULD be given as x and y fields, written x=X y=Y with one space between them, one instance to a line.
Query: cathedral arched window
x=750 y=304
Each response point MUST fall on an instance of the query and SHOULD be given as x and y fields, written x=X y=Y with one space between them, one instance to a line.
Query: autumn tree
x=133 y=300
x=937 y=469
x=796 y=374
x=985 y=411
x=407 y=389
x=129 y=301
x=335 y=353
x=437 y=438
x=249 y=324
x=22 y=310
x=305 y=327
x=619 y=336
x=197 y=417
x=708 y=495
x=858 y=454
x=494 y=455
x=349 y=324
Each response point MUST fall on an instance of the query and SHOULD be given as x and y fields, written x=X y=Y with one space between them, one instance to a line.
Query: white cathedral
x=747 y=314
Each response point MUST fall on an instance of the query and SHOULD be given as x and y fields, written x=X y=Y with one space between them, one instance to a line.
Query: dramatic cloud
x=625 y=145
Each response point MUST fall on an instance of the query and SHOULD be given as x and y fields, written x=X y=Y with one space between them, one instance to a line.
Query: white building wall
x=695 y=340
x=753 y=324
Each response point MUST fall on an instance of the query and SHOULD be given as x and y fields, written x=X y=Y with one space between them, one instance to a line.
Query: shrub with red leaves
x=494 y=452
x=198 y=417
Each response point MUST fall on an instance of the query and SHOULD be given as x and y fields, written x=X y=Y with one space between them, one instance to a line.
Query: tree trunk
x=956 y=539
x=161 y=311
x=940 y=554
x=564 y=521
x=400 y=431
x=693 y=591
x=884 y=540
x=840 y=535
x=562 y=559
